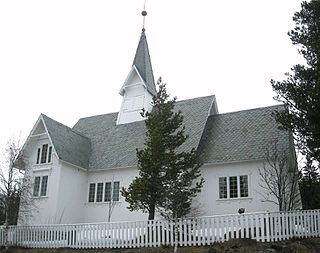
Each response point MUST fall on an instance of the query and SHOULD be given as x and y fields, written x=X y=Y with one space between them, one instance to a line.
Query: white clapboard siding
x=199 y=231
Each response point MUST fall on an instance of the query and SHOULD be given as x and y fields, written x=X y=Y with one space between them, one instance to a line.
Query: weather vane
x=144 y=14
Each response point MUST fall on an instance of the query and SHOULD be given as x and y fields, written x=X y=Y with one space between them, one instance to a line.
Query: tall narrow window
x=116 y=189
x=244 y=186
x=44 y=153
x=233 y=184
x=38 y=155
x=99 y=192
x=223 y=190
x=44 y=185
x=92 y=192
x=36 y=186
x=107 y=192
x=49 y=154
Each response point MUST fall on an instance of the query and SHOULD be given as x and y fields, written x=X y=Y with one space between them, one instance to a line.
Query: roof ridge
x=59 y=123
x=246 y=110
x=103 y=114
x=188 y=99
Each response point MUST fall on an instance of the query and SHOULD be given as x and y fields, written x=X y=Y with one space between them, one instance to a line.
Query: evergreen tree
x=310 y=186
x=301 y=90
x=165 y=172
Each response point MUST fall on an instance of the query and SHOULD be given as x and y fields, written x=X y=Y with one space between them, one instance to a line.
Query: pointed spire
x=142 y=62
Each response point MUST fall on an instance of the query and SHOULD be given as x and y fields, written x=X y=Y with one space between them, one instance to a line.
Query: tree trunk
x=152 y=212
x=175 y=250
x=6 y=231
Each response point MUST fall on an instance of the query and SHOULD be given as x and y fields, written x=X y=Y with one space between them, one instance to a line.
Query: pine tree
x=165 y=172
x=301 y=90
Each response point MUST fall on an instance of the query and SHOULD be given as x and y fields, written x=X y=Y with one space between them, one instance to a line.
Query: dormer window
x=44 y=154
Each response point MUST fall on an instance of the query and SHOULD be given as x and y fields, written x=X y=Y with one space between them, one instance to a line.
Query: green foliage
x=310 y=187
x=166 y=173
x=301 y=90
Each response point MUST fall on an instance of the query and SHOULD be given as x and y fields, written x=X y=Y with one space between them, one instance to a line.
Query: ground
x=311 y=245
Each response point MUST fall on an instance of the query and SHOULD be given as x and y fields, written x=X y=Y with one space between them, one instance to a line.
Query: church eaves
x=142 y=62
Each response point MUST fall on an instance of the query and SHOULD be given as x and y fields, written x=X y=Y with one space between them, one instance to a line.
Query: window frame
x=40 y=186
x=106 y=194
x=44 y=154
x=239 y=189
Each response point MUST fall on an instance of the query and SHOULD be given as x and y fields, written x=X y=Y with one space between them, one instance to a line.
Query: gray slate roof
x=98 y=143
x=115 y=146
x=142 y=62
x=243 y=135
x=70 y=145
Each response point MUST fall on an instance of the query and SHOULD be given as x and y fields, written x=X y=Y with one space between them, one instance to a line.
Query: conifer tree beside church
x=301 y=94
x=301 y=90
x=166 y=180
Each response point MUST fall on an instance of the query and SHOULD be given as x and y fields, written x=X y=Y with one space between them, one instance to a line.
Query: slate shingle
x=115 y=146
x=70 y=145
x=243 y=135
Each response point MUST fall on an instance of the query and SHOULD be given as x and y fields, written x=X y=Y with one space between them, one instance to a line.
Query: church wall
x=42 y=209
x=72 y=192
x=98 y=212
x=211 y=204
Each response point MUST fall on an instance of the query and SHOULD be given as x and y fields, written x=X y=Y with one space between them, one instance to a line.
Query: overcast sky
x=69 y=58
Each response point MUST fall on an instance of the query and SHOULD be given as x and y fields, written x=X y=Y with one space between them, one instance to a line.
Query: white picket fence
x=199 y=231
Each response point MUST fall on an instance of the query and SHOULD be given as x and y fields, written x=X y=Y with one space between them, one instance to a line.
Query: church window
x=92 y=192
x=36 y=186
x=50 y=154
x=44 y=185
x=44 y=154
x=38 y=155
x=116 y=189
x=109 y=191
x=99 y=192
x=40 y=186
x=233 y=187
x=223 y=189
x=244 y=186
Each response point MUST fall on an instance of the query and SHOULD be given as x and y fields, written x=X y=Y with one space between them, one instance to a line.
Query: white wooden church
x=77 y=172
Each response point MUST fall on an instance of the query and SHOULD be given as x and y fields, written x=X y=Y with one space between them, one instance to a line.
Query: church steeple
x=139 y=86
x=142 y=64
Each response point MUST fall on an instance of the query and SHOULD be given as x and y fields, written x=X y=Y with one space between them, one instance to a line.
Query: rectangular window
x=36 y=186
x=233 y=184
x=107 y=192
x=223 y=189
x=40 y=186
x=44 y=153
x=116 y=189
x=99 y=192
x=111 y=192
x=233 y=187
x=44 y=185
x=92 y=192
x=49 y=154
x=38 y=155
x=244 y=186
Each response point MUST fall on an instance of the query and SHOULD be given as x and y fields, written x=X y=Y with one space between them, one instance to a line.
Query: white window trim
x=238 y=188
x=103 y=192
x=40 y=187
x=47 y=155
